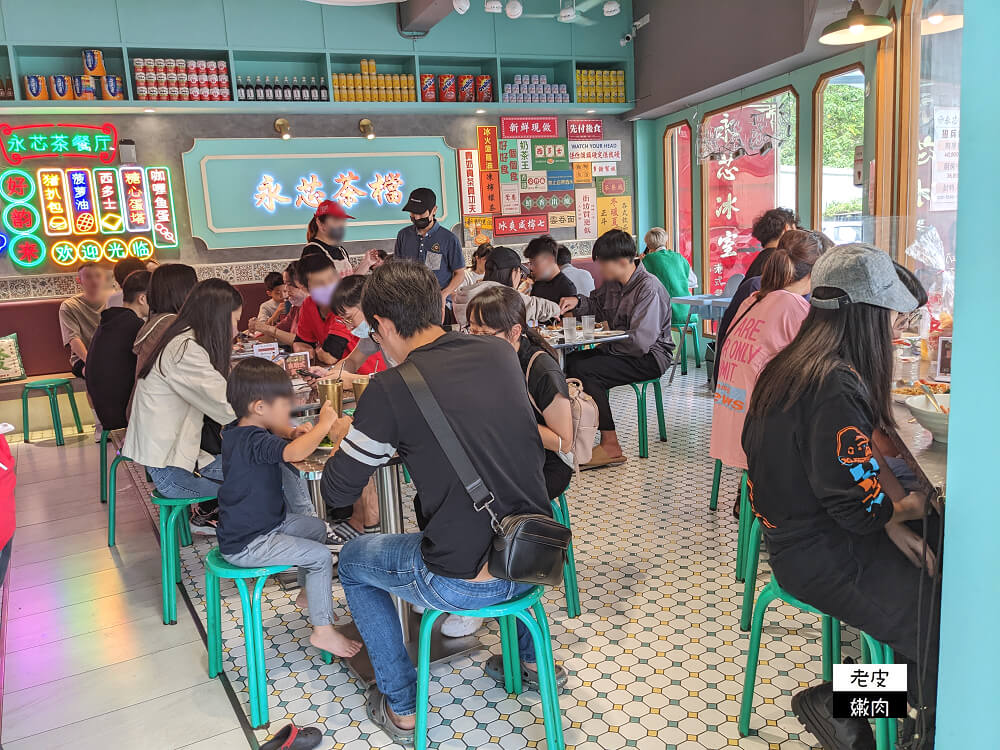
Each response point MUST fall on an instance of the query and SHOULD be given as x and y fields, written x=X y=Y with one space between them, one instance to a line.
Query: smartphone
x=304 y=373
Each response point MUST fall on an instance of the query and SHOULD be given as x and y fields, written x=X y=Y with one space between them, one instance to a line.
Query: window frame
x=671 y=203
x=887 y=59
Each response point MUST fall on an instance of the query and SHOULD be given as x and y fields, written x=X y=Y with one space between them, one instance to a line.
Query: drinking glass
x=569 y=329
x=588 y=326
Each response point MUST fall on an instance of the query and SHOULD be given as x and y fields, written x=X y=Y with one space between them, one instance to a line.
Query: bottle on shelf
x=279 y=93
x=258 y=90
x=268 y=89
x=296 y=91
x=241 y=93
x=286 y=90
x=248 y=92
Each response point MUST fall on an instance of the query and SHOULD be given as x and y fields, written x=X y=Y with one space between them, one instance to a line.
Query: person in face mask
x=426 y=241
x=549 y=281
x=285 y=329
x=320 y=331
x=325 y=234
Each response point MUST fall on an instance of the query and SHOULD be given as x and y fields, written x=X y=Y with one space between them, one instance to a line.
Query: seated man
x=444 y=566
x=80 y=314
x=630 y=299
x=549 y=281
x=122 y=270
x=111 y=360
x=580 y=277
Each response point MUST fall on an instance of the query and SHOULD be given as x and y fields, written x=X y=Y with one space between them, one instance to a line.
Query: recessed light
x=591 y=111
x=149 y=109
x=480 y=111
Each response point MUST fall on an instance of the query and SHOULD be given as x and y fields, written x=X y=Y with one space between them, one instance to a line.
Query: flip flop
x=290 y=737
x=379 y=715
x=529 y=677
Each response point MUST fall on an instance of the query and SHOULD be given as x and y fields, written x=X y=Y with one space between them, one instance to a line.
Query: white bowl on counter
x=930 y=418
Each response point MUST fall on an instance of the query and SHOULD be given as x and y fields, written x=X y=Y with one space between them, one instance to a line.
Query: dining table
x=556 y=338
x=709 y=306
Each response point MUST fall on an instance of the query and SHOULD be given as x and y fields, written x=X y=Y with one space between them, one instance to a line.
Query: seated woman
x=504 y=268
x=630 y=299
x=285 y=328
x=183 y=382
x=764 y=325
x=477 y=264
x=169 y=286
x=831 y=528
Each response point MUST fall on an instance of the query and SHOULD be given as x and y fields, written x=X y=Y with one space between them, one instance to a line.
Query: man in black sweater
x=444 y=566
x=550 y=282
x=110 y=359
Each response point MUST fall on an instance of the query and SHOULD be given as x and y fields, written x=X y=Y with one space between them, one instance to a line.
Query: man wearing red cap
x=325 y=233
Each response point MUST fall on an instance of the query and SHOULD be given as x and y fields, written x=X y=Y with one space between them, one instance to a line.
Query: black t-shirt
x=333 y=252
x=545 y=381
x=757 y=266
x=499 y=433
x=111 y=365
x=814 y=473
x=554 y=289
x=251 y=502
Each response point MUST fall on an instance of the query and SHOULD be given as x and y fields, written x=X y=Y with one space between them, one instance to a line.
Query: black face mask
x=421 y=223
x=336 y=233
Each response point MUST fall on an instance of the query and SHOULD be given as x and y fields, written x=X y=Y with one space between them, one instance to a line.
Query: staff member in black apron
x=325 y=233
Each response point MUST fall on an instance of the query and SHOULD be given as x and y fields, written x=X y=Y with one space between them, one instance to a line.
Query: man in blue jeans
x=444 y=566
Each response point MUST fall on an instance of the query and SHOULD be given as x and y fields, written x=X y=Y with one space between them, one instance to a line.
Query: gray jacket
x=641 y=307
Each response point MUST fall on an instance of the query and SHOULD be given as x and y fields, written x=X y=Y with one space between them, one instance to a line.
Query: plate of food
x=904 y=392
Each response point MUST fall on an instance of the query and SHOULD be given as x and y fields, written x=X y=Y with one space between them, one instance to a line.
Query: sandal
x=529 y=677
x=600 y=459
x=290 y=737
x=379 y=715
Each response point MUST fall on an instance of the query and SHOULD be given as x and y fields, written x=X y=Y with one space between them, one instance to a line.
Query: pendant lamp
x=856 y=28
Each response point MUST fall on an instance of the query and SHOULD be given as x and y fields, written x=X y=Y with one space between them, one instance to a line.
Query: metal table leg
x=317 y=496
x=673 y=370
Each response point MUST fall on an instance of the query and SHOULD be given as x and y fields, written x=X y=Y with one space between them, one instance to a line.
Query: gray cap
x=865 y=274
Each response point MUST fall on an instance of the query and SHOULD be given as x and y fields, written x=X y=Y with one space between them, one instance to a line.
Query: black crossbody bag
x=527 y=547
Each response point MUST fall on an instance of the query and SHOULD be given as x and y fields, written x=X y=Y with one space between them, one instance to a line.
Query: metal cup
x=333 y=391
x=360 y=383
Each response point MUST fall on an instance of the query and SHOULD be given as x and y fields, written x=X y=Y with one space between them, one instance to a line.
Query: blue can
x=35 y=88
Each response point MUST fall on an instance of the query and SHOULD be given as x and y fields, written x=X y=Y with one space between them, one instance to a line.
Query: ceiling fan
x=570 y=11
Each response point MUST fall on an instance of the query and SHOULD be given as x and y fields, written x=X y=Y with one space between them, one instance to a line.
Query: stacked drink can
x=369 y=85
x=534 y=88
x=179 y=80
x=600 y=86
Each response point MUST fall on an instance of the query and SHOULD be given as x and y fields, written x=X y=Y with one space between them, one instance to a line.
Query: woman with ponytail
x=764 y=324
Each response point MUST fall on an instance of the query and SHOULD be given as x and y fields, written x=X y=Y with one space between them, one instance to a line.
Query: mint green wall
x=968 y=698
x=649 y=140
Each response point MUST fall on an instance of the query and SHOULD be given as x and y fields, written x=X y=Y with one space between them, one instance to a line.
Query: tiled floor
x=655 y=660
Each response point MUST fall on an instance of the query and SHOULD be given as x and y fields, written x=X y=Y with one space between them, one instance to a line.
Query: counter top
x=928 y=459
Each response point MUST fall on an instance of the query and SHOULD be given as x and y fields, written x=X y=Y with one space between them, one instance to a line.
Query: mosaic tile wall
x=656 y=659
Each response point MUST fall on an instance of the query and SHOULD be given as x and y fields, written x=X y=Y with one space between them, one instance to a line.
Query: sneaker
x=205 y=523
x=459 y=626
x=814 y=708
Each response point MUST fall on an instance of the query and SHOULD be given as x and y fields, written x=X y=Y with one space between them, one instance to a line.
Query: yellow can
x=364 y=64
x=371 y=65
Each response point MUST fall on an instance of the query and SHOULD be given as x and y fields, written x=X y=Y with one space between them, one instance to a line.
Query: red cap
x=332 y=208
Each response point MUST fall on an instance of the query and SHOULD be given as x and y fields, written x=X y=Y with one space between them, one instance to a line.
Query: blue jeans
x=376 y=565
x=174 y=482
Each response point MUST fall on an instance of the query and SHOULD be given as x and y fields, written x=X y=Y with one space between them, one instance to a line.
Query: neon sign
x=115 y=249
x=82 y=201
x=63 y=252
x=383 y=189
x=20 y=142
x=136 y=206
x=27 y=251
x=17 y=186
x=55 y=204
x=164 y=224
x=109 y=202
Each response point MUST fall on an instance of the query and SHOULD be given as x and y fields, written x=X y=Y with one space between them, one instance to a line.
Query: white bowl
x=929 y=418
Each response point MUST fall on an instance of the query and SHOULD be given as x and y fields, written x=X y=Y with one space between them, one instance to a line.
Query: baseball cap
x=420 y=200
x=864 y=274
x=503 y=257
x=332 y=208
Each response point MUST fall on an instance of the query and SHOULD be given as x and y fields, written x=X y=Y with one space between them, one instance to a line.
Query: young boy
x=254 y=528
x=274 y=283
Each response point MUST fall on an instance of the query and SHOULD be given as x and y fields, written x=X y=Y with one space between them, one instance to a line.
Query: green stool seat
x=528 y=609
x=831 y=645
x=560 y=511
x=683 y=329
x=640 y=396
x=51 y=388
x=173 y=518
x=216 y=568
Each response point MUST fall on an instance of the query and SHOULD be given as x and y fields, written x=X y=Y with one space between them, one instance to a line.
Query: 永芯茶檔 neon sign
x=53 y=140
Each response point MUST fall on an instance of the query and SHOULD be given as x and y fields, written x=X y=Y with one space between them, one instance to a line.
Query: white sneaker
x=458 y=626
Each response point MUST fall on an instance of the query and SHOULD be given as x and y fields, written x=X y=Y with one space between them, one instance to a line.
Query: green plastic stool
x=876 y=652
x=713 y=501
x=560 y=511
x=831 y=645
x=528 y=609
x=640 y=396
x=173 y=518
x=51 y=388
x=683 y=329
x=216 y=568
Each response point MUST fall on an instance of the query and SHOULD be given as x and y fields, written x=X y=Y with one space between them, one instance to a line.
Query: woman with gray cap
x=835 y=537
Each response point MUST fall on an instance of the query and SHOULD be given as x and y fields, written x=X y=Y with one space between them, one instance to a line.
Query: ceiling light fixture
x=591 y=111
x=283 y=128
x=513 y=9
x=493 y=6
x=942 y=16
x=480 y=111
x=461 y=6
x=149 y=109
x=856 y=27
x=367 y=129
x=612 y=8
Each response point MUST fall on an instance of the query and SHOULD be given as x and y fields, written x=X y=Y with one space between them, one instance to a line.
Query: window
x=839 y=129
x=748 y=162
x=677 y=189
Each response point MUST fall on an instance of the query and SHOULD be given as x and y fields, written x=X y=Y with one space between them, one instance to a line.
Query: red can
x=467 y=88
x=428 y=87
x=447 y=87
x=484 y=88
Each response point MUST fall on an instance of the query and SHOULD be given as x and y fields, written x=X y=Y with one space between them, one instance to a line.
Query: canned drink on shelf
x=184 y=92
x=466 y=88
x=534 y=78
x=171 y=79
x=194 y=92
x=371 y=66
x=182 y=76
x=84 y=87
x=447 y=87
x=93 y=62
x=180 y=64
x=364 y=65
x=213 y=79
x=428 y=87
x=170 y=64
x=484 y=88
x=223 y=80
x=141 y=93
x=160 y=78
x=159 y=65
x=203 y=79
x=214 y=93
x=174 y=93
x=542 y=78
x=201 y=66
x=212 y=66
x=192 y=67
x=111 y=87
x=223 y=67
x=61 y=87
x=140 y=76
